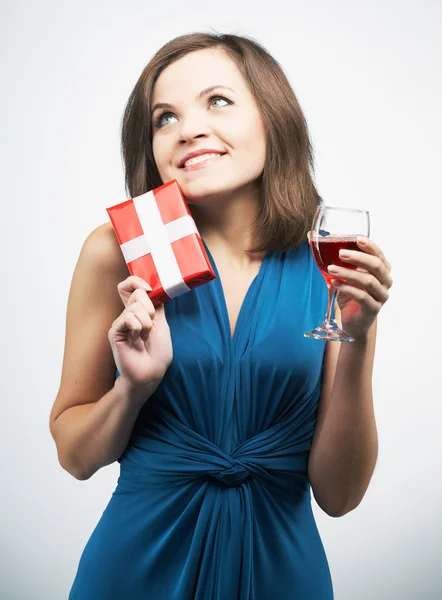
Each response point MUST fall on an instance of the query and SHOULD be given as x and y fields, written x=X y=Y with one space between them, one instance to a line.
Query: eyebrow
x=200 y=95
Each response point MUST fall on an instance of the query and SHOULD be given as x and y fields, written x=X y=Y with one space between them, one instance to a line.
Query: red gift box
x=160 y=242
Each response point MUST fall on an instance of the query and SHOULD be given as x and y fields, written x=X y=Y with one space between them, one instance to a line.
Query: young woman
x=222 y=415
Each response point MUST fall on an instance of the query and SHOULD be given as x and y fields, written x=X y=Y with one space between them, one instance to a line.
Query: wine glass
x=333 y=229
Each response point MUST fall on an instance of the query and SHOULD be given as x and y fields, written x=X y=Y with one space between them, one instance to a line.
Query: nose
x=193 y=127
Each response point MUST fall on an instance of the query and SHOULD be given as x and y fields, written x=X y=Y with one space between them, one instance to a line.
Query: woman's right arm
x=110 y=322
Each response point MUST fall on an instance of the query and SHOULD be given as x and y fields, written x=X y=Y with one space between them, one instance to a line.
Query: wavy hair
x=289 y=193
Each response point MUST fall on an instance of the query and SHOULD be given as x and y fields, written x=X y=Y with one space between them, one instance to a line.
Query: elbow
x=338 y=507
x=81 y=476
x=337 y=512
x=77 y=473
x=72 y=469
x=336 y=502
x=67 y=461
x=336 y=496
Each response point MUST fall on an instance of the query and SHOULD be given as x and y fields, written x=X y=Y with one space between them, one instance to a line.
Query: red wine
x=326 y=252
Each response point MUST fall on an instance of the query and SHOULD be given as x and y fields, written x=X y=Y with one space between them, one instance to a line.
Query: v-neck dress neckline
x=248 y=299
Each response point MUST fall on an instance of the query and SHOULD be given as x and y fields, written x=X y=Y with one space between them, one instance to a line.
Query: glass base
x=329 y=332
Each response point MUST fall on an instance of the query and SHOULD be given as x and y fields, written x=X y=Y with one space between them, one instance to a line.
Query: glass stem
x=330 y=316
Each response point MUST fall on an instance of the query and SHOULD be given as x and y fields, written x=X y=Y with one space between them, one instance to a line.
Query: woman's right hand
x=140 y=337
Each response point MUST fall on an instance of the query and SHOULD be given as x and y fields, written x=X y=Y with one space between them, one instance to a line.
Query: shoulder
x=102 y=251
x=299 y=255
x=102 y=242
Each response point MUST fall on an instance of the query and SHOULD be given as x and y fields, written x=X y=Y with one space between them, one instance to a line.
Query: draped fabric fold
x=213 y=498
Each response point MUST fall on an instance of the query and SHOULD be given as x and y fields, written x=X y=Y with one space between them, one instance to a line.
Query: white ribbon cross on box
x=160 y=236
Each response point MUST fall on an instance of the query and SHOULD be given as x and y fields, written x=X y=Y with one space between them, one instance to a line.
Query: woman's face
x=207 y=109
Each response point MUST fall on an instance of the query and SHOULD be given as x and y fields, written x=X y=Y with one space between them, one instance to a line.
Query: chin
x=196 y=191
x=205 y=188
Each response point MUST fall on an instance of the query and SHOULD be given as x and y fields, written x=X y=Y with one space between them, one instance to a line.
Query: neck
x=226 y=225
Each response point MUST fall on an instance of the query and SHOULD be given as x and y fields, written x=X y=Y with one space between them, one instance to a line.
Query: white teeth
x=200 y=158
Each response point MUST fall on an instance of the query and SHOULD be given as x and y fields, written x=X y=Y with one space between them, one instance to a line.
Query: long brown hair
x=289 y=194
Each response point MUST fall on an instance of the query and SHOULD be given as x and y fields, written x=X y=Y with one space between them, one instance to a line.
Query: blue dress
x=213 y=499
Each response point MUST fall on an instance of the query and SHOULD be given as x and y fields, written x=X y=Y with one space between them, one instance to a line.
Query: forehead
x=196 y=71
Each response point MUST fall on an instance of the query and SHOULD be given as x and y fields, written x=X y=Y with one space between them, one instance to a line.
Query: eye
x=219 y=101
x=163 y=119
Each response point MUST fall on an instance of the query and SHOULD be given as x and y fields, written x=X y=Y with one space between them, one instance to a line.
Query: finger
x=129 y=285
x=143 y=317
x=369 y=246
x=369 y=263
x=360 y=296
x=140 y=296
x=126 y=323
x=361 y=280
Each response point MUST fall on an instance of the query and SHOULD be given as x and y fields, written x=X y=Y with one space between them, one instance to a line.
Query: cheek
x=254 y=135
x=160 y=155
x=257 y=141
x=260 y=136
x=156 y=149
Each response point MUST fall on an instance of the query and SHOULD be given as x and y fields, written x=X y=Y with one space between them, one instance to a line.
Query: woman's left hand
x=365 y=290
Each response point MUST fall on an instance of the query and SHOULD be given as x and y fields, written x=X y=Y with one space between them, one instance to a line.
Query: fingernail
x=334 y=269
x=337 y=282
x=362 y=241
x=344 y=253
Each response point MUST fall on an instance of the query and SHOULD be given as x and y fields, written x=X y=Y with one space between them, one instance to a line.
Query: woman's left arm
x=344 y=447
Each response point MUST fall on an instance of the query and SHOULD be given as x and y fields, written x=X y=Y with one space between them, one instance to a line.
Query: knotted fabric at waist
x=169 y=453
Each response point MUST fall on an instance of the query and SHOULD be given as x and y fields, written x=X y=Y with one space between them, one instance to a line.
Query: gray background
x=368 y=75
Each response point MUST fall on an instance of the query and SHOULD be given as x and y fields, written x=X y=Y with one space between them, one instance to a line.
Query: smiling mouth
x=201 y=160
